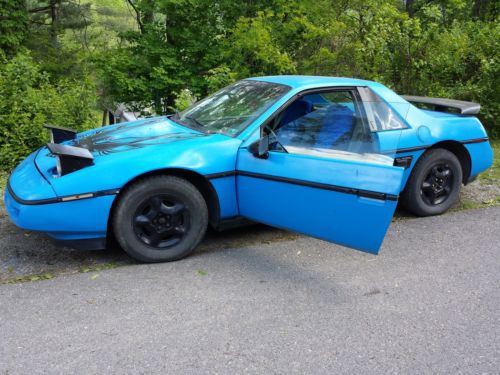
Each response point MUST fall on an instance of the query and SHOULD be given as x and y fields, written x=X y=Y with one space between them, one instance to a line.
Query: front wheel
x=434 y=184
x=160 y=219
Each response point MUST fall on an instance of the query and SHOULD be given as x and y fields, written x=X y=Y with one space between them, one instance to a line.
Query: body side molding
x=317 y=185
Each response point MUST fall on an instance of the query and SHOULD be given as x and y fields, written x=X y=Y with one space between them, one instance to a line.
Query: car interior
x=323 y=122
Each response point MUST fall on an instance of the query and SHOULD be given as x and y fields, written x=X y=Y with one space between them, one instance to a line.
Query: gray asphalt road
x=429 y=303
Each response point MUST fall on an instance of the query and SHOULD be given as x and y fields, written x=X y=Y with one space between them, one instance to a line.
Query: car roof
x=298 y=81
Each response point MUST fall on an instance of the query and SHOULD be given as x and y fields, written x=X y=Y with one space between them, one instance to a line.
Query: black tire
x=434 y=184
x=160 y=219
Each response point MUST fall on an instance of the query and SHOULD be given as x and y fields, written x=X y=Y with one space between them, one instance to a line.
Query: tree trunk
x=476 y=9
x=104 y=117
x=148 y=12
x=409 y=7
x=137 y=15
x=53 y=24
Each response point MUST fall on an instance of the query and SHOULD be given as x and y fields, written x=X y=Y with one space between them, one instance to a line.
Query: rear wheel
x=434 y=184
x=160 y=219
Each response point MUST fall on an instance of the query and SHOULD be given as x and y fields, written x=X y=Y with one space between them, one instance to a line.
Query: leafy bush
x=183 y=100
x=432 y=53
x=161 y=54
x=28 y=100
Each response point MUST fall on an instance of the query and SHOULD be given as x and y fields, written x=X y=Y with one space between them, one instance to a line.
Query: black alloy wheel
x=160 y=219
x=438 y=184
x=434 y=183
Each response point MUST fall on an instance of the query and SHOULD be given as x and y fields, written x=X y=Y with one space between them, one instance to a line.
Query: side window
x=323 y=122
x=380 y=115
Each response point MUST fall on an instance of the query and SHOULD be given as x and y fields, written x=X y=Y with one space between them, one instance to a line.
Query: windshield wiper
x=199 y=124
x=174 y=117
x=193 y=123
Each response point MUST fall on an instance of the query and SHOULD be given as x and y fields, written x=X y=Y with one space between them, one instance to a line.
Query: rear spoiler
x=441 y=105
x=70 y=158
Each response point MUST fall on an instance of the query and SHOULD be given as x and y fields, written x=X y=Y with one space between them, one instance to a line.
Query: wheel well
x=199 y=181
x=461 y=153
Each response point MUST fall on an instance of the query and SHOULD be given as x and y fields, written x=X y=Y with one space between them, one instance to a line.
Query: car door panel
x=348 y=202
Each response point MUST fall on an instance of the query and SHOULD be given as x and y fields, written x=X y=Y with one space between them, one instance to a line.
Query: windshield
x=231 y=109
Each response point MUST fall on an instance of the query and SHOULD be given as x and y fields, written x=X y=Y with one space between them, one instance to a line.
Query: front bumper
x=84 y=219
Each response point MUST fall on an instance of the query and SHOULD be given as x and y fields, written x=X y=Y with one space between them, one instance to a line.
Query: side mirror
x=260 y=149
x=264 y=147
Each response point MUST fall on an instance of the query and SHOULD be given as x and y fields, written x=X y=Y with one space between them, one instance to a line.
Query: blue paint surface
x=347 y=219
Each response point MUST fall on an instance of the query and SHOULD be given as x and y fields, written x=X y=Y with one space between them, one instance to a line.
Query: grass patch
x=48 y=276
x=98 y=267
x=3 y=183
x=29 y=278
x=468 y=204
x=3 y=179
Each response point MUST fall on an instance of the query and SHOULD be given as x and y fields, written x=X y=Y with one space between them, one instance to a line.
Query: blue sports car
x=327 y=157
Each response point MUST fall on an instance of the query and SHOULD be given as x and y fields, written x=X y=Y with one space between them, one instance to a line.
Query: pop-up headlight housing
x=59 y=135
x=70 y=158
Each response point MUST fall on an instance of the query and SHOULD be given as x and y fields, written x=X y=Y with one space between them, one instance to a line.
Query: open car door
x=322 y=170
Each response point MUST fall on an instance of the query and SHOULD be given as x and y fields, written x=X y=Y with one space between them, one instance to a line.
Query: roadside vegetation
x=64 y=61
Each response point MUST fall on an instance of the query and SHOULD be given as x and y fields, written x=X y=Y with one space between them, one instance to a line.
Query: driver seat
x=337 y=127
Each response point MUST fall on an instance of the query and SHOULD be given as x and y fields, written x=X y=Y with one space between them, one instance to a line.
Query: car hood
x=123 y=151
x=132 y=136
x=122 y=141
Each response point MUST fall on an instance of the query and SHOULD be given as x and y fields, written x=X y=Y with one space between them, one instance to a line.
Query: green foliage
x=445 y=48
x=48 y=22
x=29 y=278
x=13 y=25
x=253 y=49
x=159 y=55
x=201 y=272
x=187 y=44
x=183 y=100
x=99 y=267
x=56 y=81
x=29 y=101
x=219 y=77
